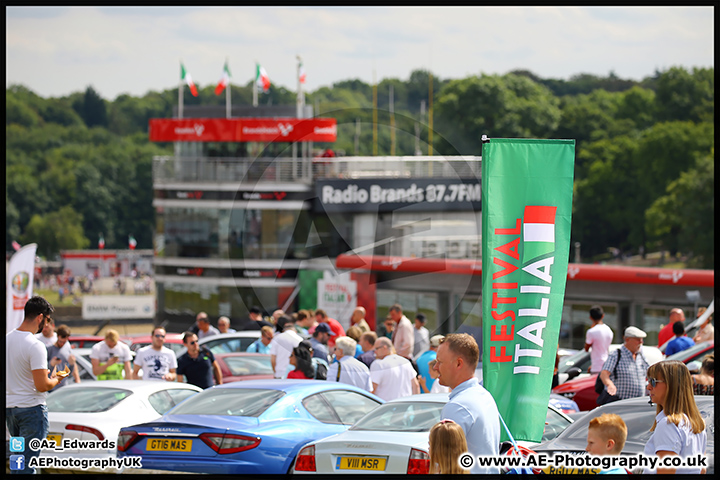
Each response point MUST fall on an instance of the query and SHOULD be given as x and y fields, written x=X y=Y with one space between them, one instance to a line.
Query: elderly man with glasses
x=157 y=361
x=392 y=375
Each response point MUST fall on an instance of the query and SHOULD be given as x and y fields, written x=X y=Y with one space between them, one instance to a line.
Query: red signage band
x=576 y=271
x=242 y=130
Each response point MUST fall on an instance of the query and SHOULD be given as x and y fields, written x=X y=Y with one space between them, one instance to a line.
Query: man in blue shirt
x=470 y=405
x=680 y=342
x=425 y=358
x=262 y=344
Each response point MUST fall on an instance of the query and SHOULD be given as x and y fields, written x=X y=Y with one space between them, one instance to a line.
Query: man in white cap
x=623 y=373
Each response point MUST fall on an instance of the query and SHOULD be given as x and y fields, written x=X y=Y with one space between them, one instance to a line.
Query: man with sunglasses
x=198 y=365
x=157 y=361
x=27 y=381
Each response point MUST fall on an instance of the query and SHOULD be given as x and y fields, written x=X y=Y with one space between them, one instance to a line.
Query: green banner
x=527 y=188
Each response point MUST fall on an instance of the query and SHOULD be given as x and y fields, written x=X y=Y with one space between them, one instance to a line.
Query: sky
x=56 y=51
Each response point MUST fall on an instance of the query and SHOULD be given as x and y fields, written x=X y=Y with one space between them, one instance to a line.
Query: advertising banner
x=242 y=130
x=337 y=295
x=19 y=281
x=116 y=307
x=527 y=188
x=387 y=195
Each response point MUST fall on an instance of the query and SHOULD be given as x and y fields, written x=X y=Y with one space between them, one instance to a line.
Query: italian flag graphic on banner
x=184 y=75
x=224 y=81
x=132 y=243
x=101 y=242
x=261 y=78
x=527 y=188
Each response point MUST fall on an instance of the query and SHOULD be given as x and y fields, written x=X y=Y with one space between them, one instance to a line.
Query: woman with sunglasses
x=447 y=442
x=679 y=429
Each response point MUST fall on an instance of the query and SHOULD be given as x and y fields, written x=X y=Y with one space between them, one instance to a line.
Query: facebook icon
x=17 y=462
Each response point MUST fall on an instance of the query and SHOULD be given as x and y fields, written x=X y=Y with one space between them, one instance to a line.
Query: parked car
x=98 y=410
x=226 y=342
x=638 y=417
x=578 y=364
x=582 y=388
x=84 y=341
x=239 y=366
x=173 y=341
x=694 y=353
x=393 y=438
x=82 y=360
x=249 y=427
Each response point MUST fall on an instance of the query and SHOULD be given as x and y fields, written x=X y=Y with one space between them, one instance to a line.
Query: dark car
x=244 y=366
x=638 y=416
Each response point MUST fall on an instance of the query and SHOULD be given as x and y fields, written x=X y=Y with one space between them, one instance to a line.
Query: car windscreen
x=85 y=400
x=250 y=365
x=234 y=402
x=401 y=417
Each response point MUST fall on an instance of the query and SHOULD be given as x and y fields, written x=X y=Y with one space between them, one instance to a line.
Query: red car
x=84 y=341
x=173 y=341
x=582 y=390
x=239 y=366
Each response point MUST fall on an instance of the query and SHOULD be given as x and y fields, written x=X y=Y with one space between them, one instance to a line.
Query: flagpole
x=254 y=86
x=228 y=107
x=180 y=94
x=392 y=123
x=375 y=146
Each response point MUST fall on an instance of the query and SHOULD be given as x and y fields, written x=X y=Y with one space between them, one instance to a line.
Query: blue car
x=254 y=426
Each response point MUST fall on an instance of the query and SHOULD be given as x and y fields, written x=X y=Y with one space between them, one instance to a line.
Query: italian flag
x=132 y=243
x=261 y=78
x=101 y=242
x=184 y=75
x=302 y=73
x=538 y=231
x=224 y=81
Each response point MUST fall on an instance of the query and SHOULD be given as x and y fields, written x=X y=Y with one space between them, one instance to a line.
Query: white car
x=392 y=438
x=577 y=365
x=226 y=342
x=98 y=410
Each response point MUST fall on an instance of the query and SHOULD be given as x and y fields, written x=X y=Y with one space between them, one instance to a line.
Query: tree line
x=79 y=166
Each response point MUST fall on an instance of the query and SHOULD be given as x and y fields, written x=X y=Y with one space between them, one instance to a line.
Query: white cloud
x=56 y=51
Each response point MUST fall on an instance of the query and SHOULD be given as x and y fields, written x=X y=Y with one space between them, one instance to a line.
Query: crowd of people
x=397 y=361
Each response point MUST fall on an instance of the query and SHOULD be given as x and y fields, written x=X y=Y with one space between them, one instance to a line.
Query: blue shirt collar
x=470 y=383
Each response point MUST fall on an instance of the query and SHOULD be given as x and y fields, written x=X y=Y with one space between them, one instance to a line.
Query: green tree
x=682 y=95
x=684 y=218
x=55 y=231
x=92 y=109
x=508 y=106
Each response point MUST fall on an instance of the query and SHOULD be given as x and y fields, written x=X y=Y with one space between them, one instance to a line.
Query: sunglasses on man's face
x=654 y=381
x=157 y=335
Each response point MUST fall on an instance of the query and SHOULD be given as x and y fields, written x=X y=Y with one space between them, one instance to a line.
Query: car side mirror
x=573 y=372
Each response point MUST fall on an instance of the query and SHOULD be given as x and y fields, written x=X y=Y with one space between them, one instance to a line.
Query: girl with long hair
x=678 y=428
x=447 y=443
x=301 y=359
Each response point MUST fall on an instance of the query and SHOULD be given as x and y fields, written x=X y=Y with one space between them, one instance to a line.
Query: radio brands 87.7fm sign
x=527 y=188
